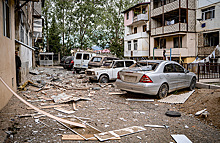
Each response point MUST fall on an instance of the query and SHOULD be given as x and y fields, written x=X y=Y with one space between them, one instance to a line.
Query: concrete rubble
x=68 y=96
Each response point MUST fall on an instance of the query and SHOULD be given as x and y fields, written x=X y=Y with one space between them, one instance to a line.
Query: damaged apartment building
x=208 y=30
x=17 y=32
x=173 y=30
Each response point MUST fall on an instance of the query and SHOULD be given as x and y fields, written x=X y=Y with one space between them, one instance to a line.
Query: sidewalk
x=208 y=83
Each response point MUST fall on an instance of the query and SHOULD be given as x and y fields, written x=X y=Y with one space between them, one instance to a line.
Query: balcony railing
x=176 y=52
x=136 y=36
x=169 y=29
x=140 y=17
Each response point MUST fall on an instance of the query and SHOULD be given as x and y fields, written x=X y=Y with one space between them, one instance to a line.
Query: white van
x=81 y=60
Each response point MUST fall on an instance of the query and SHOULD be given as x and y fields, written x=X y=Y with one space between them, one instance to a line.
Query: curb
x=206 y=86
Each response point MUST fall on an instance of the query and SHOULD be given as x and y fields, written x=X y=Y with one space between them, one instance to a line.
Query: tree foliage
x=80 y=24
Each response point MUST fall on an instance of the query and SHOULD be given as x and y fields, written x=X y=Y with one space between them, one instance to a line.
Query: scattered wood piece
x=78 y=138
x=200 y=112
x=181 y=139
x=52 y=106
x=25 y=115
x=156 y=126
x=81 y=88
x=132 y=99
x=27 y=96
x=118 y=133
x=64 y=111
x=74 y=106
x=41 y=111
x=115 y=93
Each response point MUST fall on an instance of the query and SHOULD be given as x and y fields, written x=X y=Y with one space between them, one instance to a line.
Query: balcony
x=140 y=17
x=178 y=27
x=176 y=52
x=136 y=36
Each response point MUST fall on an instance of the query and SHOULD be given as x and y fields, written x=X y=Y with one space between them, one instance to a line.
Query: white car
x=154 y=77
x=103 y=75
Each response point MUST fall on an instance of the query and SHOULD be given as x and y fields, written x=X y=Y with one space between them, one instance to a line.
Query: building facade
x=208 y=30
x=7 y=50
x=137 y=29
x=173 y=30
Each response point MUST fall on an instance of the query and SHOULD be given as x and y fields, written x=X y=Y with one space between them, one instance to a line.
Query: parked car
x=107 y=73
x=63 y=60
x=81 y=60
x=98 y=61
x=68 y=63
x=155 y=77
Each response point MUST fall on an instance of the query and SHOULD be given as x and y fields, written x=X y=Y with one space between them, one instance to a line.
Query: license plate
x=130 y=78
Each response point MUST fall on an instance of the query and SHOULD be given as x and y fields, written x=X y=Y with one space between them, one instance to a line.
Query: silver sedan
x=155 y=77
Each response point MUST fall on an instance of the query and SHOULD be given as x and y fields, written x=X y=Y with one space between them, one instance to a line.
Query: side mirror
x=186 y=71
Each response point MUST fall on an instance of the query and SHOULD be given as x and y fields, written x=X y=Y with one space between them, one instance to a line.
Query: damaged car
x=106 y=73
x=155 y=77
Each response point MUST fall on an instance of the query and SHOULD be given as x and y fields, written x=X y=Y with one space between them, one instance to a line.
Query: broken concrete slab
x=181 y=138
x=118 y=133
x=177 y=99
x=60 y=97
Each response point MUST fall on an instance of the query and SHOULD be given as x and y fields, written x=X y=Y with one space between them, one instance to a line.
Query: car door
x=118 y=65
x=171 y=76
x=85 y=60
x=78 y=60
x=181 y=76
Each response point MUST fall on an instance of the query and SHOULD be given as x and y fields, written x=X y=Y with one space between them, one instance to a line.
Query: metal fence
x=204 y=70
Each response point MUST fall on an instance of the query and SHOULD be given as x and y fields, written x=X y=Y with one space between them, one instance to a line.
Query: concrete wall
x=7 y=57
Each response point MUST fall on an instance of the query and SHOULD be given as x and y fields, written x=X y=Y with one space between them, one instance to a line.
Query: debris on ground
x=181 y=139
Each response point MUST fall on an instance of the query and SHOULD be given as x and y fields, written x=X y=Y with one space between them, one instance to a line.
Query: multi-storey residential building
x=173 y=28
x=208 y=29
x=136 y=40
x=16 y=33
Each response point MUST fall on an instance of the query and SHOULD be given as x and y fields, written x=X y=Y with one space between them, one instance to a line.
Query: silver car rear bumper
x=144 y=88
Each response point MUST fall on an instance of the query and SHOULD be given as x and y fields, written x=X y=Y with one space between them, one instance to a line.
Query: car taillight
x=72 y=62
x=118 y=76
x=145 y=79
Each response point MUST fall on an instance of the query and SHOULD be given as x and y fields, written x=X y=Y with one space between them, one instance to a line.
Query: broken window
x=135 y=30
x=211 y=39
x=135 y=45
x=208 y=13
x=177 y=42
x=129 y=45
x=144 y=28
x=6 y=19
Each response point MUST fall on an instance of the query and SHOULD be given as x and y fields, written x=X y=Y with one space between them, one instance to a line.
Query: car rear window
x=96 y=59
x=78 y=56
x=147 y=66
x=128 y=63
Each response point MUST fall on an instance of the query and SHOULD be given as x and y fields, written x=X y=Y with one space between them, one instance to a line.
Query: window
x=211 y=39
x=168 y=68
x=208 y=13
x=128 y=63
x=129 y=45
x=119 y=64
x=86 y=57
x=127 y=15
x=144 y=28
x=78 y=56
x=135 y=30
x=162 y=43
x=178 y=68
x=176 y=41
x=135 y=45
x=6 y=19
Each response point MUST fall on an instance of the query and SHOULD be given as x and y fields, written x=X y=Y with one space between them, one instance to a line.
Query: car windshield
x=96 y=59
x=145 y=66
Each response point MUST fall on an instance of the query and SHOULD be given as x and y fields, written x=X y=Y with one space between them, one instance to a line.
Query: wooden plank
x=53 y=106
x=41 y=111
x=64 y=111
x=78 y=138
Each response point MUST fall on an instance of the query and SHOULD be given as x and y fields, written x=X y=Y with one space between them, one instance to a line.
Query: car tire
x=103 y=79
x=192 y=84
x=163 y=91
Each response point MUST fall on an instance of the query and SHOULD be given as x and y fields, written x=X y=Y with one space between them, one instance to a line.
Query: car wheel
x=163 y=91
x=103 y=79
x=192 y=84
